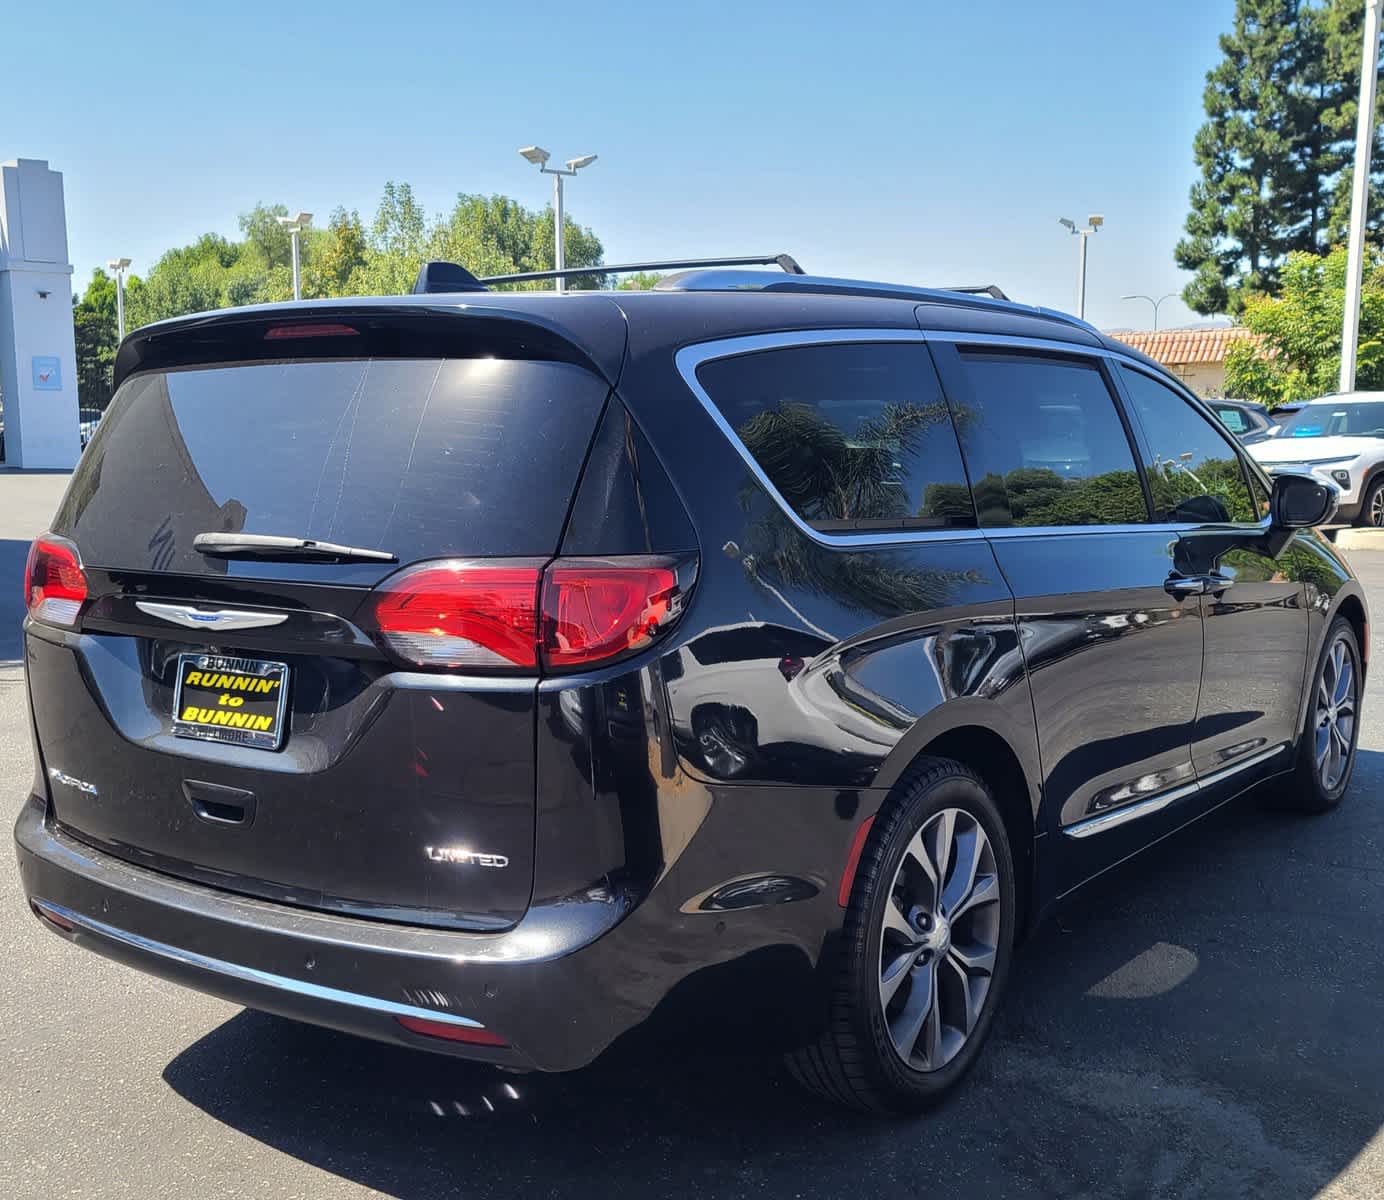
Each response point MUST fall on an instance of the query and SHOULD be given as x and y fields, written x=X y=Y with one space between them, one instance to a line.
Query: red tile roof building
x=1196 y=356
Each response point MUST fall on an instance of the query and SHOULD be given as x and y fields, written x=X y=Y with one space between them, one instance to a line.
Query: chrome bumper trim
x=283 y=983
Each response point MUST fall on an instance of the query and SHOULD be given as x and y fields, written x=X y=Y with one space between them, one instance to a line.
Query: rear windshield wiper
x=284 y=549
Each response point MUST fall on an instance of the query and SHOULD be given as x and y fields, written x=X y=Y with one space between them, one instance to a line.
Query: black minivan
x=491 y=672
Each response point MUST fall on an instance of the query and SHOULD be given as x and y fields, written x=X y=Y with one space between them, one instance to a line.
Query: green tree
x=95 y=326
x=1274 y=150
x=336 y=254
x=1301 y=353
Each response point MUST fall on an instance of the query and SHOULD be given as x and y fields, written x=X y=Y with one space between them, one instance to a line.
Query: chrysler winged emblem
x=201 y=618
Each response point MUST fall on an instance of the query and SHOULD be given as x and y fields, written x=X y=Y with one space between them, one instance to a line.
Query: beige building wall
x=1206 y=379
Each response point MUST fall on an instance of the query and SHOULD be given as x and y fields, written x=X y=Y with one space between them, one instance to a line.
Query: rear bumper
x=352 y=975
x=558 y=988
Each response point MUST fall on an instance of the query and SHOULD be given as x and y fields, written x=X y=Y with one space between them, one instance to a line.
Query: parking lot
x=1206 y=1022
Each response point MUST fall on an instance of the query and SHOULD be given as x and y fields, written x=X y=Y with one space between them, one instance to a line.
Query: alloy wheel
x=1336 y=706
x=1376 y=514
x=940 y=939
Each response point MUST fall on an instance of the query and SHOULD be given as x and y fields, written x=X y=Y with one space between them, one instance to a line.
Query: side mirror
x=1300 y=502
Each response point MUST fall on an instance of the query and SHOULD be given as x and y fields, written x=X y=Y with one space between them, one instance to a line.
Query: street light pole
x=295 y=226
x=1093 y=223
x=539 y=157
x=118 y=266
x=1359 y=198
x=1156 y=304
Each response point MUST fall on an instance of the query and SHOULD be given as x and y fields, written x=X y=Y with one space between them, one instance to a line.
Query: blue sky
x=922 y=142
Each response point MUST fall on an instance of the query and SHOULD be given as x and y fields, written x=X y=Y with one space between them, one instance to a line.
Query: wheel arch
x=992 y=754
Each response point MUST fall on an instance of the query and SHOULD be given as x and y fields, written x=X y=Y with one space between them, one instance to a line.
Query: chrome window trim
x=238 y=971
x=1144 y=808
x=691 y=357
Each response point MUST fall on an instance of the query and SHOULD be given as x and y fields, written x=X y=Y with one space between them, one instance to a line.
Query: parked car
x=1248 y=421
x=491 y=673
x=1339 y=439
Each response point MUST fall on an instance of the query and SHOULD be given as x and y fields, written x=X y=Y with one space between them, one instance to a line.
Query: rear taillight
x=595 y=609
x=461 y=614
x=515 y=614
x=55 y=586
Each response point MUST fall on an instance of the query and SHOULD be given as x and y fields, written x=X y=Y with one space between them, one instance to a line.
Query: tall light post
x=295 y=226
x=1359 y=197
x=119 y=267
x=1151 y=300
x=1093 y=223
x=539 y=157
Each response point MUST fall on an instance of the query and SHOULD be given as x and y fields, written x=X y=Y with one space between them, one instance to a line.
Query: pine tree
x=1275 y=150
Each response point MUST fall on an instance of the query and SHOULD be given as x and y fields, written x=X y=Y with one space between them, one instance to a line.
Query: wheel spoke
x=908 y=1023
x=985 y=891
x=932 y=1035
x=1323 y=744
x=943 y=829
x=1344 y=680
x=896 y=922
x=968 y=1005
x=892 y=979
x=918 y=852
x=969 y=846
x=972 y=960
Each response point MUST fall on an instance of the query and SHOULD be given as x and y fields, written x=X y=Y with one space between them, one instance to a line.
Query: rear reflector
x=55 y=586
x=843 y=893
x=452 y=1033
x=513 y=613
x=51 y=917
x=275 y=332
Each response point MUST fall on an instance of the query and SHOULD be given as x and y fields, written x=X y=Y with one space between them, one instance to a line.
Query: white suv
x=1339 y=439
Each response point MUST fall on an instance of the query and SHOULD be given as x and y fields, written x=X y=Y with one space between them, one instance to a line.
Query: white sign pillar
x=38 y=357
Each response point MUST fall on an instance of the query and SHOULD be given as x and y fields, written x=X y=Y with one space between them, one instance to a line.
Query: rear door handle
x=1186 y=585
x=1196 y=585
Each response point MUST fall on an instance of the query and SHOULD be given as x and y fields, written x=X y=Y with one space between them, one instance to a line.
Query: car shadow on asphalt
x=12 y=555
x=1194 y=1023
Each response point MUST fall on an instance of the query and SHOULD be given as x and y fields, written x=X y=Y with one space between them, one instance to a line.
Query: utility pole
x=1359 y=197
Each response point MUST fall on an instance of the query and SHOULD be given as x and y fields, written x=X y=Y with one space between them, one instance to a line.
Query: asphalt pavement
x=1206 y=1022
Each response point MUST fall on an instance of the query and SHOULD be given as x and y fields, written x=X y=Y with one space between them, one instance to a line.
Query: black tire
x=1304 y=788
x=855 y=1063
x=1368 y=503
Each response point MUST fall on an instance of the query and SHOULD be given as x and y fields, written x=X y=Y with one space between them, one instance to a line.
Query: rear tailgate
x=382 y=791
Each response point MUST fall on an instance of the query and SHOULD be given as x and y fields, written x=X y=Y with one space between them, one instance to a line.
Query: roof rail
x=981 y=289
x=976 y=296
x=786 y=261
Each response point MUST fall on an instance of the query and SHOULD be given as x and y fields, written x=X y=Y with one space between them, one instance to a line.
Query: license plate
x=222 y=699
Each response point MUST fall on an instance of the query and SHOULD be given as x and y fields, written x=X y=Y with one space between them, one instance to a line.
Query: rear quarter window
x=852 y=437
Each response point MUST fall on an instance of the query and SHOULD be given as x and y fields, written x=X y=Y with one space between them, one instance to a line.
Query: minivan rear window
x=423 y=458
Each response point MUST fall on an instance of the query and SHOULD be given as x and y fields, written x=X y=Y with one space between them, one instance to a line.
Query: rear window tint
x=420 y=457
x=852 y=436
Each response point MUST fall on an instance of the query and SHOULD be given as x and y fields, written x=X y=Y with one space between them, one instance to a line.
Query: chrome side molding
x=1114 y=817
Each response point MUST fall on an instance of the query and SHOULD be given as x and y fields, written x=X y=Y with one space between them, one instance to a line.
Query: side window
x=1044 y=443
x=1233 y=419
x=1194 y=473
x=854 y=436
